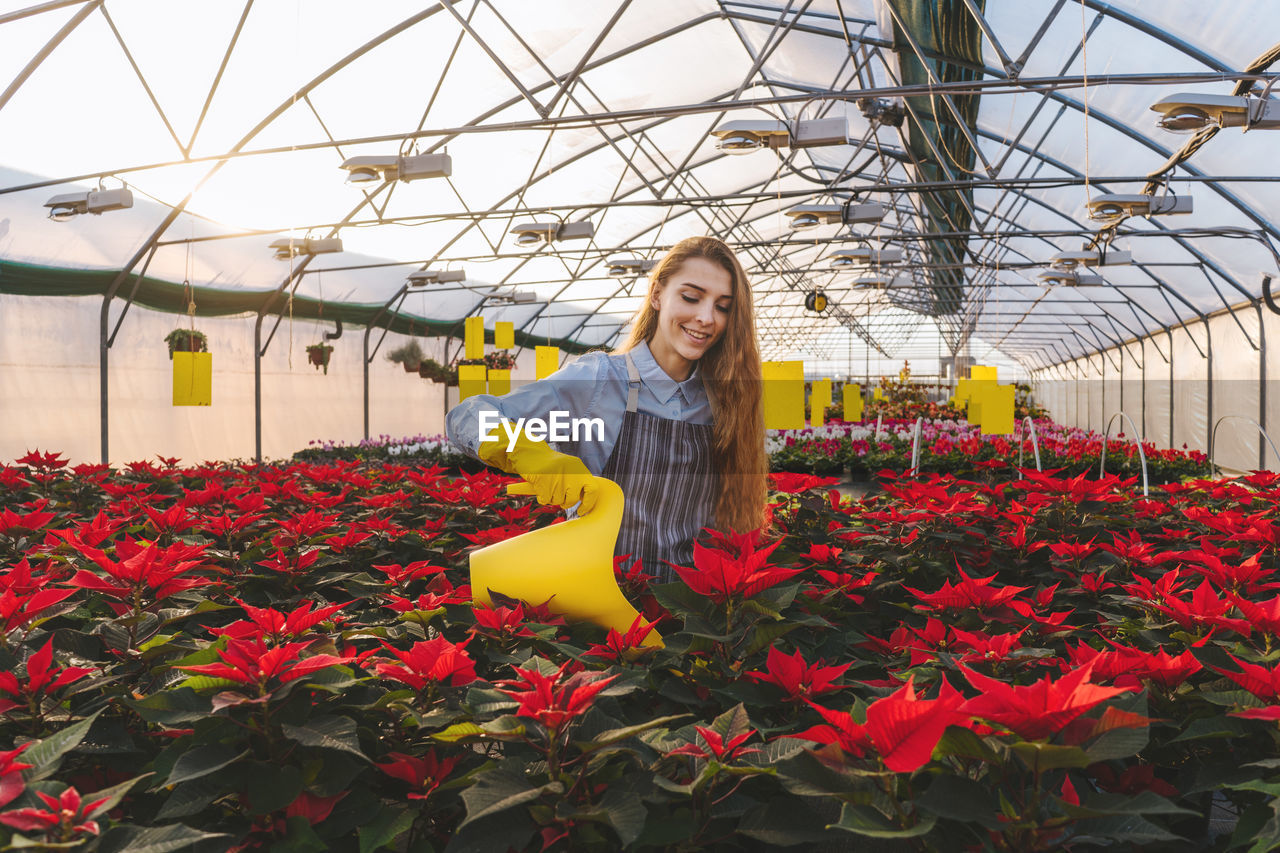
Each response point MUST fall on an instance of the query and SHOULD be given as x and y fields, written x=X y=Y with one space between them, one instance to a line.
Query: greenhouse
x=888 y=456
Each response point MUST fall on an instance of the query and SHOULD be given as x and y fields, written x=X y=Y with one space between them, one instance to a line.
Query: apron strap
x=633 y=385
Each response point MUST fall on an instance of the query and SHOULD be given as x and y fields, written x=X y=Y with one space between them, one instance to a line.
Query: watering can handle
x=521 y=488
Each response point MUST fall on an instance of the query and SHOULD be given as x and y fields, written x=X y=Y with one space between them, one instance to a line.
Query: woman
x=680 y=403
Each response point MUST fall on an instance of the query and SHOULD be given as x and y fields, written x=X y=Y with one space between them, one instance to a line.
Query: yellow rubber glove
x=557 y=478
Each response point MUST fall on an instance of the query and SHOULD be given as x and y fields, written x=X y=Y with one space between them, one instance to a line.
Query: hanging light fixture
x=291 y=247
x=743 y=137
x=533 y=233
x=69 y=205
x=366 y=170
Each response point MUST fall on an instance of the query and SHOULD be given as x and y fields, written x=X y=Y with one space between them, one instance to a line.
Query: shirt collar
x=657 y=380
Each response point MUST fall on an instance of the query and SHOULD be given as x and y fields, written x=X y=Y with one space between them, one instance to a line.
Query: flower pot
x=319 y=356
x=410 y=368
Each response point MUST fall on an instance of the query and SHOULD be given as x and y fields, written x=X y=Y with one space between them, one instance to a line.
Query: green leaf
x=203 y=760
x=272 y=786
x=389 y=825
x=782 y=823
x=626 y=813
x=157 y=839
x=1145 y=803
x=498 y=790
x=1049 y=756
x=614 y=735
x=1129 y=829
x=961 y=799
x=457 y=732
x=963 y=743
x=1220 y=726
x=191 y=798
x=731 y=723
x=171 y=707
x=327 y=732
x=47 y=754
x=864 y=820
x=112 y=796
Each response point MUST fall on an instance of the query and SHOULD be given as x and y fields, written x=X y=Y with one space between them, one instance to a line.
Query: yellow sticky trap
x=504 y=335
x=979 y=371
x=471 y=380
x=878 y=393
x=819 y=399
x=996 y=416
x=499 y=382
x=783 y=394
x=962 y=392
x=852 y=395
x=571 y=564
x=547 y=361
x=193 y=379
x=473 y=335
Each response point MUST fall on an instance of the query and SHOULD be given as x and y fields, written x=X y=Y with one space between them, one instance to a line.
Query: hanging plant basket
x=186 y=340
x=437 y=372
x=409 y=356
x=318 y=354
x=500 y=360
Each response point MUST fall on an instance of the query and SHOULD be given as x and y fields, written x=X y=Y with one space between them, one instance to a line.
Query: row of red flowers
x=245 y=657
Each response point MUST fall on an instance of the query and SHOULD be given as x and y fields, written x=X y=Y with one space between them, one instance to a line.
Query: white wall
x=1076 y=394
x=49 y=386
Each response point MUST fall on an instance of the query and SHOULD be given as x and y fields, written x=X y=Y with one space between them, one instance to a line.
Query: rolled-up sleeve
x=573 y=389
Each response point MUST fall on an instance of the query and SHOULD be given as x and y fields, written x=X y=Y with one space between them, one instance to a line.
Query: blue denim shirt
x=594 y=386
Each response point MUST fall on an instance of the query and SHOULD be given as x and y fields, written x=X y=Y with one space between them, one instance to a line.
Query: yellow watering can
x=569 y=563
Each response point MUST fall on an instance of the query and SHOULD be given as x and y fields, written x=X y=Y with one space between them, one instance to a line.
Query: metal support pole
x=1262 y=384
x=1169 y=332
x=404 y=289
x=1208 y=380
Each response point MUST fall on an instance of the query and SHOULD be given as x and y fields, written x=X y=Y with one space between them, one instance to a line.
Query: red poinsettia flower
x=1206 y=608
x=43 y=678
x=796 y=678
x=502 y=622
x=901 y=728
x=268 y=622
x=1261 y=681
x=791 y=483
x=143 y=569
x=11 y=783
x=19 y=609
x=737 y=568
x=619 y=646
x=21 y=524
x=63 y=818
x=1037 y=710
x=250 y=661
x=842 y=582
x=970 y=593
x=725 y=752
x=42 y=461
x=1133 y=780
x=291 y=561
x=423 y=774
x=433 y=661
x=554 y=700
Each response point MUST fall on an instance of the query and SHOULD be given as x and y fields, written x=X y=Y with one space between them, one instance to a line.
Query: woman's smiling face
x=693 y=311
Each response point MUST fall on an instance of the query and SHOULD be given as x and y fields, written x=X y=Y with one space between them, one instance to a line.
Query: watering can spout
x=571 y=564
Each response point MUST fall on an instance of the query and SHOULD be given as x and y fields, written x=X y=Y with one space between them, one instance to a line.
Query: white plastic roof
x=238 y=115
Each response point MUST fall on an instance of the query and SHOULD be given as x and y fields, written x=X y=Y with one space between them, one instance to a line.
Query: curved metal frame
x=915 y=447
x=1035 y=445
x=1213 y=435
x=1106 y=437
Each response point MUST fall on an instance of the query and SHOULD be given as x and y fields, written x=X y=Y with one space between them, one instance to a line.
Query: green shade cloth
x=29 y=280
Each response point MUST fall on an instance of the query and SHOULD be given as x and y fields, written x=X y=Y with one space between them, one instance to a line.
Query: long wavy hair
x=731 y=373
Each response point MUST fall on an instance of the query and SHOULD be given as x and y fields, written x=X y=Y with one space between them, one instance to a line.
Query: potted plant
x=435 y=371
x=500 y=360
x=186 y=340
x=409 y=356
x=318 y=354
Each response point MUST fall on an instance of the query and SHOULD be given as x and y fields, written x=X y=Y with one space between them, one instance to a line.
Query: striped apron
x=665 y=471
